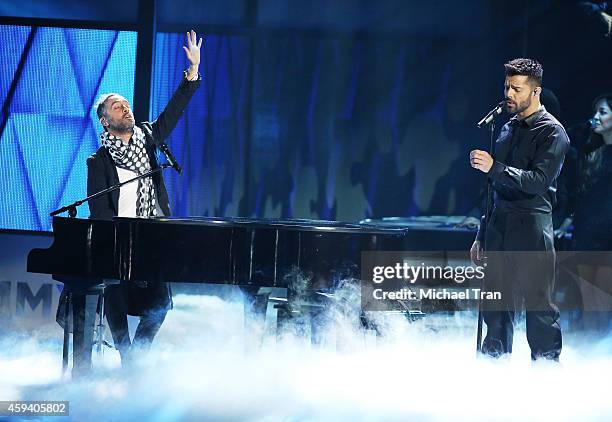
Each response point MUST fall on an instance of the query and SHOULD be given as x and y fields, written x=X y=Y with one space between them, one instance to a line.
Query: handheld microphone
x=171 y=160
x=490 y=115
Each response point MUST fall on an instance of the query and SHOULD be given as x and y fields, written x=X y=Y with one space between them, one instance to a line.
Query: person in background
x=589 y=212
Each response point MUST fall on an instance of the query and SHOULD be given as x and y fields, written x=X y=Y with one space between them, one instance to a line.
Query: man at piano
x=129 y=149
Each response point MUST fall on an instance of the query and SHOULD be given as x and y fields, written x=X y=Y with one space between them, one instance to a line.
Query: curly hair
x=525 y=67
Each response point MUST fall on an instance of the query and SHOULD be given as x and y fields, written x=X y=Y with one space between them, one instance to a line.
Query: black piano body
x=300 y=255
x=239 y=251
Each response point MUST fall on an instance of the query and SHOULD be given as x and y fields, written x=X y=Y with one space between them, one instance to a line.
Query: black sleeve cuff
x=496 y=170
x=187 y=85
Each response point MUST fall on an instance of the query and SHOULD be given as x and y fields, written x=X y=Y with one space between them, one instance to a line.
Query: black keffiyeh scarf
x=133 y=156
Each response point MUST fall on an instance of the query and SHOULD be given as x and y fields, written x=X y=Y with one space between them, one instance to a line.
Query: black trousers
x=117 y=300
x=521 y=266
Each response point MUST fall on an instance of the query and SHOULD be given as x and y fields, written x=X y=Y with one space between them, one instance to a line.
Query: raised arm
x=167 y=120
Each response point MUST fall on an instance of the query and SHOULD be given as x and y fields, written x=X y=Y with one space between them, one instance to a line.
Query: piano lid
x=281 y=224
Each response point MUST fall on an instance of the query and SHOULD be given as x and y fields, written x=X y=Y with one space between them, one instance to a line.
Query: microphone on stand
x=490 y=115
x=488 y=120
x=171 y=160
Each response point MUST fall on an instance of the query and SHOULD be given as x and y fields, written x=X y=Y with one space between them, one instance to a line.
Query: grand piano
x=300 y=255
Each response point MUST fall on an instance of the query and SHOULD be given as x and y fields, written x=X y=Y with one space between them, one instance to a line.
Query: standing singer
x=528 y=156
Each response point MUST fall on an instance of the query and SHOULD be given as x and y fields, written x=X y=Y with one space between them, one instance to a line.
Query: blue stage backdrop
x=338 y=128
x=346 y=128
x=210 y=140
x=297 y=122
x=50 y=128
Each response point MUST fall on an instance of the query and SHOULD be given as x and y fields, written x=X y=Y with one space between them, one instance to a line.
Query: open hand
x=193 y=49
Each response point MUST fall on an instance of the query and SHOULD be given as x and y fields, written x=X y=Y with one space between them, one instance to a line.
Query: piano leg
x=290 y=320
x=255 y=307
x=66 y=341
x=99 y=330
x=320 y=316
x=291 y=316
x=84 y=315
x=67 y=327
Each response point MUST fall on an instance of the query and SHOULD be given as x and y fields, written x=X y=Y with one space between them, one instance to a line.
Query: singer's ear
x=537 y=91
x=103 y=121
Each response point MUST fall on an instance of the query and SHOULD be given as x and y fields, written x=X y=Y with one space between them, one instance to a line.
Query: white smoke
x=204 y=367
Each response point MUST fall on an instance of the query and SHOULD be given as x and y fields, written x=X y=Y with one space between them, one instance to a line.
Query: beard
x=519 y=107
x=121 y=126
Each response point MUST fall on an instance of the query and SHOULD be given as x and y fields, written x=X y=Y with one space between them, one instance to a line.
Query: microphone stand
x=489 y=120
x=72 y=207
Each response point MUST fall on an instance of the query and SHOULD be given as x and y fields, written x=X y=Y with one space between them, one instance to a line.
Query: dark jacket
x=101 y=170
x=528 y=158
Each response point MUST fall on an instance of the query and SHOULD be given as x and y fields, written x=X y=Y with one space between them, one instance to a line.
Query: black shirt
x=528 y=158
